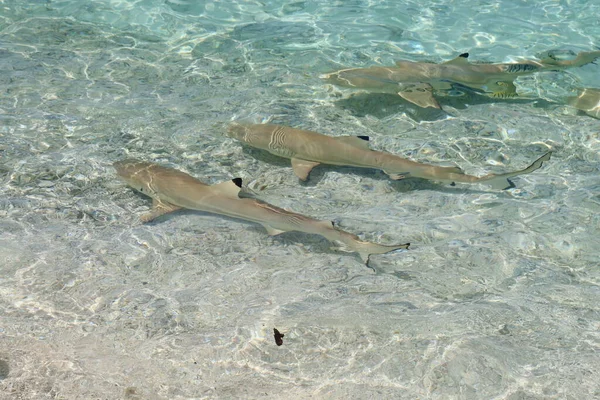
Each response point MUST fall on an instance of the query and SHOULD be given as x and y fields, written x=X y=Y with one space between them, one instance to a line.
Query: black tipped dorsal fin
x=460 y=60
x=229 y=188
x=237 y=181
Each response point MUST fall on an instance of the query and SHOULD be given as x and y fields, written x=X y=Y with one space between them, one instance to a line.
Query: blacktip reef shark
x=587 y=101
x=307 y=149
x=416 y=81
x=172 y=190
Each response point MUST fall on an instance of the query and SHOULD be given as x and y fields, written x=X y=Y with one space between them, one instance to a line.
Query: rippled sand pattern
x=497 y=298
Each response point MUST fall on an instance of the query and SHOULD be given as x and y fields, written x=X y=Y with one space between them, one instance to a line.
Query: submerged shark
x=587 y=101
x=308 y=149
x=172 y=190
x=416 y=81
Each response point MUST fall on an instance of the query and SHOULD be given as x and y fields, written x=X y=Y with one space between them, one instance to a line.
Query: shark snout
x=128 y=168
x=121 y=167
x=236 y=131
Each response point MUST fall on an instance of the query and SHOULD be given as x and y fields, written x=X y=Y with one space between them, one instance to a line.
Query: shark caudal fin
x=501 y=181
x=583 y=58
x=365 y=249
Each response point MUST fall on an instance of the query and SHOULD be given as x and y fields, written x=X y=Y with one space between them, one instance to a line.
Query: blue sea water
x=498 y=297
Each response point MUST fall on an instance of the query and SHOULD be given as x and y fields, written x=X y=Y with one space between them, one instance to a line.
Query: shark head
x=237 y=131
x=137 y=174
x=256 y=135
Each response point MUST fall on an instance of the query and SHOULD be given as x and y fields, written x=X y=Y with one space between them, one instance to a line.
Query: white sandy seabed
x=497 y=297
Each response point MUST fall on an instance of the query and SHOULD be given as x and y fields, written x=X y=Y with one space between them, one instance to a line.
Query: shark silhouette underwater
x=172 y=190
x=307 y=149
x=417 y=82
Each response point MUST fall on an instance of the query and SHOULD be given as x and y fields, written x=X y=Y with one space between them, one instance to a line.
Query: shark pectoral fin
x=302 y=168
x=272 y=231
x=362 y=142
x=159 y=208
x=229 y=188
x=420 y=94
x=504 y=89
x=396 y=177
x=460 y=60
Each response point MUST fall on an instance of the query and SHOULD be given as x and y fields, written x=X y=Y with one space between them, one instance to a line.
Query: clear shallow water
x=498 y=298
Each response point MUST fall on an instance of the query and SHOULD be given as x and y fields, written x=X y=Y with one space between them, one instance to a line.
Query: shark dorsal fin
x=327 y=224
x=362 y=142
x=460 y=60
x=229 y=188
x=237 y=181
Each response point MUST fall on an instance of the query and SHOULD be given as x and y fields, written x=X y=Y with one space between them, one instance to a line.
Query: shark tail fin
x=502 y=182
x=365 y=249
x=583 y=58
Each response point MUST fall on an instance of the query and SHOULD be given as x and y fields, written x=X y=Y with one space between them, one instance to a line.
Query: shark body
x=307 y=149
x=416 y=81
x=172 y=190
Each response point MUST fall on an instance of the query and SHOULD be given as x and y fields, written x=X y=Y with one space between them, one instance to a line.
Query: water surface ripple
x=498 y=298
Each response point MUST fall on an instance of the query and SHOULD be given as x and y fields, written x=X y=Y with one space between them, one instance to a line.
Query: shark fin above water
x=460 y=60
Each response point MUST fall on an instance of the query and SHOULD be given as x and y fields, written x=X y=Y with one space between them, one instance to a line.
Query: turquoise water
x=497 y=298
